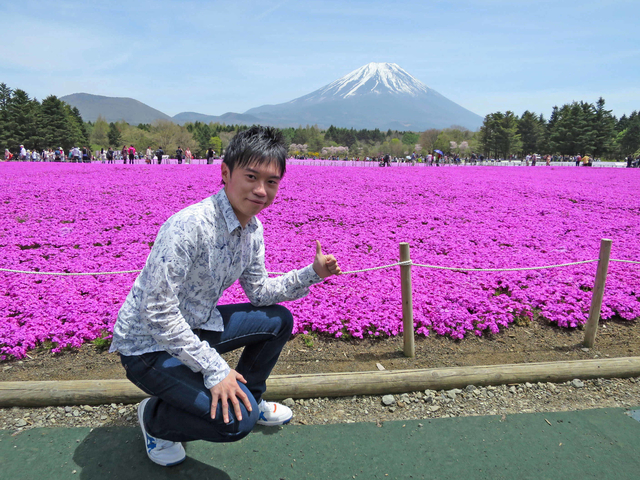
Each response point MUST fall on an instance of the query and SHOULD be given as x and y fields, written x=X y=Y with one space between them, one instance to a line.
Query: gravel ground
x=492 y=400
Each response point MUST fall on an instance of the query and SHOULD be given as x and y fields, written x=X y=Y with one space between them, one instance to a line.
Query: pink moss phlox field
x=85 y=218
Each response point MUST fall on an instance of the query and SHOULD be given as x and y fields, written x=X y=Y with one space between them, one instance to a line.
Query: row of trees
x=578 y=128
x=50 y=124
x=161 y=133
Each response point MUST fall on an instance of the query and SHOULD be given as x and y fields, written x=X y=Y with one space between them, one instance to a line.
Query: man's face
x=251 y=189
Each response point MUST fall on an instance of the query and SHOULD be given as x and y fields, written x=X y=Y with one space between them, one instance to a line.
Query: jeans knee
x=286 y=318
x=243 y=427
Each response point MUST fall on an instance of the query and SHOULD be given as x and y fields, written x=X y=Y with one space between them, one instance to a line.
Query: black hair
x=257 y=146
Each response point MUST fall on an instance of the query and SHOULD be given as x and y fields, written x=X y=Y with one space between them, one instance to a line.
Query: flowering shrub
x=99 y=218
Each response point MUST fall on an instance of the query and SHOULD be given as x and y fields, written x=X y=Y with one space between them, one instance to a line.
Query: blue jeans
x=180 y=405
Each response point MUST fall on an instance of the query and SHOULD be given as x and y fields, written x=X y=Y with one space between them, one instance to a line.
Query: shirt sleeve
x=164 y=275
x=262 y=290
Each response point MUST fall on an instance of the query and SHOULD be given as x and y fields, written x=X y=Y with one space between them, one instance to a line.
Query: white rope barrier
x=67 y=274
x=409 y=262
x=625 y=261
x=503 y=269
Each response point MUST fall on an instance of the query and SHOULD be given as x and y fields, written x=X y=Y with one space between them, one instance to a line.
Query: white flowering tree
x=334 y=151
x=298 y=149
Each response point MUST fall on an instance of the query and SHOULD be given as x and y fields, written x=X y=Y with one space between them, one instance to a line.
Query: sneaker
x=272 y=414
x=162 y=452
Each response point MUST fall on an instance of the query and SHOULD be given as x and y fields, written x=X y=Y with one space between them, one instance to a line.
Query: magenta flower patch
x=102 y=218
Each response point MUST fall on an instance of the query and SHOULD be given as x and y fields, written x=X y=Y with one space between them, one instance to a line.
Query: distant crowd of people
x=75 y=155
x=437 y=158
x=128 y=155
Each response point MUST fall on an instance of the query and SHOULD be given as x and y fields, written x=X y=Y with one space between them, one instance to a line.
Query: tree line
x=37 y=125
x=577 y=128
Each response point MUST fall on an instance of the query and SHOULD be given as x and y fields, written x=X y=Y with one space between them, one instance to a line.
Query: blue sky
x=218 y=56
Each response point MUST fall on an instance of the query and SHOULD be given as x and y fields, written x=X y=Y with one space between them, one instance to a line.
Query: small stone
x=577 y=383
x=113 y=405
x=76 y=413
x=288 y=402
x=528 y=385
x=584 y=349
x=122 y=411
x=392 y=409
x=434 y=408
x=420 y=425
x=401 y=404
x=457 y=391
x=380 y=367
x=68 y=409
x=87 y=408
x=103 y=417
x=388 y=400
x=513 y=390
x=451 y=394
x=21 y=423
x=470 y=388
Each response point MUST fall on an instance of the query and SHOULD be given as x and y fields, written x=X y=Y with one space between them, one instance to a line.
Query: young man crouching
x=170 y=331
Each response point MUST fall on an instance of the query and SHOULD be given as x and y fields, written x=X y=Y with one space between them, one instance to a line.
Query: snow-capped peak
x=375 y=78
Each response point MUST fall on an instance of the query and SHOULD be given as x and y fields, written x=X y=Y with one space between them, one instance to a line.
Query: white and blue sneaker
x=272 y=414
x=162 y=452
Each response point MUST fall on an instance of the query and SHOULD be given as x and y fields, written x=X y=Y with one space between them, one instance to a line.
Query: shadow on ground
x=115 y=452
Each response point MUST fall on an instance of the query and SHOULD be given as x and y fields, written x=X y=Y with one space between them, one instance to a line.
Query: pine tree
x=509 y=137
x=605 y=129
x=531 y=132
x=55 y=125
x=78 y=129
x=630 y=137
x=5 y=97
x=22 y=120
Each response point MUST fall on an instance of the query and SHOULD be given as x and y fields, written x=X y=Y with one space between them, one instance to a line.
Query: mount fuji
x=377 y=95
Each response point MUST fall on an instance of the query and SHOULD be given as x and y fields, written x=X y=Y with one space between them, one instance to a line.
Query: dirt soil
x=536 y=342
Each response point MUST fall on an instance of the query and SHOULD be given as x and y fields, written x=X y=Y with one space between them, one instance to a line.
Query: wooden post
x=598 y=292
x=407 y=302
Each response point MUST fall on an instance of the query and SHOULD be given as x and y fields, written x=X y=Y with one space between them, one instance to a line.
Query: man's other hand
x=227 y=391
x=325 y=265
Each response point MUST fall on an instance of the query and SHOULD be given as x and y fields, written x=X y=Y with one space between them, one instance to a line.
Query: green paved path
x=603 y=444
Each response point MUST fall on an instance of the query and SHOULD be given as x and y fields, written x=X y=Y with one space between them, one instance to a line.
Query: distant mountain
x=113 y=109
x=381 y=95
x=377 y=95
x=228 y=118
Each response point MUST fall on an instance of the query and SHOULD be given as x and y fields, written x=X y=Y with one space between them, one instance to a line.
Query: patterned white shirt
x=198 y=253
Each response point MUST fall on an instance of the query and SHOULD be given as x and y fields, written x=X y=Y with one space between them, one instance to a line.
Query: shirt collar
x=229 y=215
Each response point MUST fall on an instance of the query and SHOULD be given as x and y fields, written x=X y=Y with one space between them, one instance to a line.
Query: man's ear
x=226 y=173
